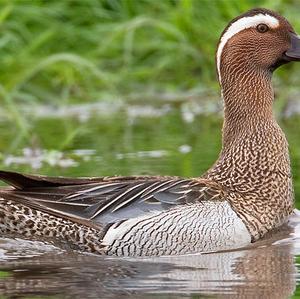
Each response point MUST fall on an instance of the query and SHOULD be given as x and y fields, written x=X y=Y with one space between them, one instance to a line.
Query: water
x=268 y=269
x=105 y=139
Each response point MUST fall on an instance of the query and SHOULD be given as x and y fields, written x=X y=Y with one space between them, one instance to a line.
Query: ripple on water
x=267 y=269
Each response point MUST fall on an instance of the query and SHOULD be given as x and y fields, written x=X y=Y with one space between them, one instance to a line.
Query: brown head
x=259 y=40
x=251 y=47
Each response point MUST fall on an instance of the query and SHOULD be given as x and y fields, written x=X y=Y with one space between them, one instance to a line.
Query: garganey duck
x=245 y=194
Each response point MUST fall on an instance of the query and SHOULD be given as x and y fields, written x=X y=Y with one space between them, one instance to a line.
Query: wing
x=105 y=199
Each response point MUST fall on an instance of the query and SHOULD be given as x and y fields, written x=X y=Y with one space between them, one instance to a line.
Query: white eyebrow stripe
x=239 y=25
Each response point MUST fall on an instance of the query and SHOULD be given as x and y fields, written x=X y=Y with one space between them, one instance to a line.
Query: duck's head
x=259 y=40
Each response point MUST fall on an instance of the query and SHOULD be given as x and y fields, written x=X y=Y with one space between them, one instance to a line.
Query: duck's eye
x=262 y=28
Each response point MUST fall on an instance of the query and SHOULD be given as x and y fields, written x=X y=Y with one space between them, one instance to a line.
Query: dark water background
x=168 y=139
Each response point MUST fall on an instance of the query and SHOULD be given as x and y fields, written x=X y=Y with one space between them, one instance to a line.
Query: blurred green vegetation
x=65 y=52
x=81 y=51
x=61 y=52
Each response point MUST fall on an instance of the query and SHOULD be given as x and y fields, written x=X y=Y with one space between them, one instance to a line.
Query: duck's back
x=123 y=215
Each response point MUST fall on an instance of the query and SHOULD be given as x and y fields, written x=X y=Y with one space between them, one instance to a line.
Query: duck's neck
x=253 y=145
x=253 y=165
x=248 y=100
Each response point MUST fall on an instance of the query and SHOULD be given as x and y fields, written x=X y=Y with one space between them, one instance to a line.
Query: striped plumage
x=245 y=194
x=112 y=213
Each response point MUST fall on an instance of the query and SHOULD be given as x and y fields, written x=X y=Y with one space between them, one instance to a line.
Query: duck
x=247 y=192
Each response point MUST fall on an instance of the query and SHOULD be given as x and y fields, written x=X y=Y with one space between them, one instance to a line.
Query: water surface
x=168 y=139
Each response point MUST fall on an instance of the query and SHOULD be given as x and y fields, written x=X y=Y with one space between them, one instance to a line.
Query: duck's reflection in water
x=263 y=271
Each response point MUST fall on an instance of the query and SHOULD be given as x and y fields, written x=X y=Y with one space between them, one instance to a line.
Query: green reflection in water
x=4 y=274
x=119 y=145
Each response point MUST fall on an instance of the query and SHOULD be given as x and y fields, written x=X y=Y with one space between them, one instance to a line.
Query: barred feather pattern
x=167 y=223
x=179 y=231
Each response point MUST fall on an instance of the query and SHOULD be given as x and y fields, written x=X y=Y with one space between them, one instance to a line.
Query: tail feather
x=22 y=181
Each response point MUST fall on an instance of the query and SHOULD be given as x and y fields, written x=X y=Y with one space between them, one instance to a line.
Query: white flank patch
x=117 y=230
x=239 y=25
